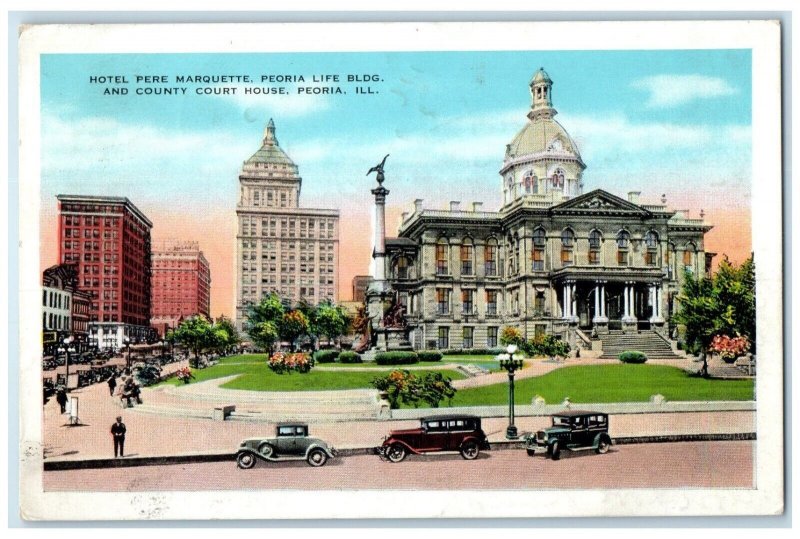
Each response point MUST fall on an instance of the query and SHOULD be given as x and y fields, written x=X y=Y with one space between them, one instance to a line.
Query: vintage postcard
x=400 y=270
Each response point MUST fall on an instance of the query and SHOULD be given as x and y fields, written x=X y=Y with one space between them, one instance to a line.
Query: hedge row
x=326 y=356
x=632 y=356
x=350 y=357
x=396 y=358
x=473 y=351
x=429 y=355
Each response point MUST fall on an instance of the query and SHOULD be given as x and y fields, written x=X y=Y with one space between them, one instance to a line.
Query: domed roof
x=542 y=134
x=270 y=152
x=541 y=76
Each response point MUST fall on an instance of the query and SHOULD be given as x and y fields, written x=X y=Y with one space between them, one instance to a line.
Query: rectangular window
x=538 y=259
x=443 y=342
x=468 y=341
x=594 y=256
x=442 y=301
x=539 y=303
x=467 y=305
x=566 y=257
x=466 y=260
x=441 y=259
x=490 y=260
x=650 y=258
x=622 y=257
x=491 y=302
x=491 y=336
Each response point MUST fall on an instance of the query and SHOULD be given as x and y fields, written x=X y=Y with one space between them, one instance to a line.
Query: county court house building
x=553 y=259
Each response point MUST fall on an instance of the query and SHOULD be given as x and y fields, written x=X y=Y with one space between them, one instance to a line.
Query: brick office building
x=181 y=284
x=108 y=239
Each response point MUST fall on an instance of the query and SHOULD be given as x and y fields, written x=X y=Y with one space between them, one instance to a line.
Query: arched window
x=651 y=243
x=539 y=242
x=441 y=256
x=467 y=251
x=567 y=245
x=490 y=258
x=557 y=179
x=595 y=240
x=530 y=183
x=623 y=243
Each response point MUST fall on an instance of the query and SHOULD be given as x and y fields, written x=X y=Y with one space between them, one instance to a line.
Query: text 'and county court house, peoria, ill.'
x=553 y=259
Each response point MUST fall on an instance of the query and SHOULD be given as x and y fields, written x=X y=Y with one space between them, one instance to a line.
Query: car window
x=577 y=421
x=457 y=424
x=436 y=426
x=300 y=431
x=560 y=421
x=285 y=431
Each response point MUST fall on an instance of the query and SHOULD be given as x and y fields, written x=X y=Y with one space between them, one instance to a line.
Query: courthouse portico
x=553 y=259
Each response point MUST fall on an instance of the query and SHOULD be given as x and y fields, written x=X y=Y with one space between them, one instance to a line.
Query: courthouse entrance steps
x=648 y=342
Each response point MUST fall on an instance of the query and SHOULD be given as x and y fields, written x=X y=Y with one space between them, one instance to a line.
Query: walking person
x=112 y=385
x=118 y=433
x=61 y=398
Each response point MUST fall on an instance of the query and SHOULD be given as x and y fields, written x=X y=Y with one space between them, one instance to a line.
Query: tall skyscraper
x=108 y=238
x=282 y=247
x=181 y=284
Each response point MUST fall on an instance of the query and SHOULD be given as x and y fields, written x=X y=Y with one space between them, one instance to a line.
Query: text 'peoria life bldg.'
x=553 y=259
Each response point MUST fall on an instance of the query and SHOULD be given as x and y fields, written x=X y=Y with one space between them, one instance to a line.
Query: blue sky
x=656 y=121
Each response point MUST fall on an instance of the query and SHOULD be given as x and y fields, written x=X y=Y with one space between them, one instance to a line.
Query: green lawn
x=609 y=383
x=256 y=376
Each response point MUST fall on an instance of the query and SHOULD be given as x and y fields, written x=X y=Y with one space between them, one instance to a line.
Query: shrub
x=632 y=356
x=547 y=346
x=184 y=375
x=396 y=358
x=729 y=348
x=402 y=386
x=282 y=362
x=429 y=355
x=350 y=357
x=326 y=356
x=511 y=335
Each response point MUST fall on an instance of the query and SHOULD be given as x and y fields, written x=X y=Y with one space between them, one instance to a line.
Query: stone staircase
x=649 y=342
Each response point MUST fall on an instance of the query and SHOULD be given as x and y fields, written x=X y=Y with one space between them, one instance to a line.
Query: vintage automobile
x=460 y=433
x=291 y=442
x=572 y=430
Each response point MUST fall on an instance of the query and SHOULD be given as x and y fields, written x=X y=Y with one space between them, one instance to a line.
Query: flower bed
x=729 y=348
x=283 y=362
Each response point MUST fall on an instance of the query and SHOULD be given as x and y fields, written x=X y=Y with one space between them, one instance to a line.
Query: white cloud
x=674 y=90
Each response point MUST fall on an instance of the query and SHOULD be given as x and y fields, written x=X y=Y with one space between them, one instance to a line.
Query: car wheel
x=245 y=460
x=266 y=450
x=555 y=451
x=396 y=453
x=470 y=451
x=317 y=457
x=603 y=445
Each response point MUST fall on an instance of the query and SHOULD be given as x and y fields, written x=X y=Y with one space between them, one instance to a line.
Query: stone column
x=564 y=304
x=629 y=319
x=600 y=303
x=573 y=311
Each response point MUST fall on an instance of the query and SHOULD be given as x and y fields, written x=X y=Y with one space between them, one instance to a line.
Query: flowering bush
x=281 y=362
x=404 y=387
x=729 y=348
x=511 y=335
x=184 y=375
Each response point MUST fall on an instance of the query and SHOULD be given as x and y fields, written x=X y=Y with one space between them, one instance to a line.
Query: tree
x=329 y=320
x=263 y=321
x=227 y=333
x=197 y=334
x=293 y=325
x=720 y=305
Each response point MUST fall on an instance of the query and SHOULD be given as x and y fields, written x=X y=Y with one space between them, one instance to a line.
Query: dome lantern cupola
x=541 y=95
x=269 y=134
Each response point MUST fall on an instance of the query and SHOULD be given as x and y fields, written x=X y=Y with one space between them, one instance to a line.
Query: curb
x=500 y=445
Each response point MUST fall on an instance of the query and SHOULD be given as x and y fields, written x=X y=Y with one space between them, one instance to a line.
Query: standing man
x=118 y=433
x=112 y=385
x=61 y=398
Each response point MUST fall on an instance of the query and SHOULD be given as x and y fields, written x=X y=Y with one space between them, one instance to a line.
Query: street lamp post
x=66 y=350
x=511 y=365
x=127 y=342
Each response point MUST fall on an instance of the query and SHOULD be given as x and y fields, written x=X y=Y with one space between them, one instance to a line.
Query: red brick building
x=181 y=284
x=108 y=239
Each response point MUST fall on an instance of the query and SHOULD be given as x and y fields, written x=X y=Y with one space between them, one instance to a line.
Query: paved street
x=669 y=465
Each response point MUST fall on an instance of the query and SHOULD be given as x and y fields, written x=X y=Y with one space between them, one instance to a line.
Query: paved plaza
x=153 y=434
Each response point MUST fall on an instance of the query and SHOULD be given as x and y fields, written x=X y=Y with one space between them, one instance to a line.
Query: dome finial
x=269 y=134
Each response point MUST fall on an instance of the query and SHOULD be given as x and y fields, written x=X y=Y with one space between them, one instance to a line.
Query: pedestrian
x=61 y=398
x=112 y=385
x=118 y=433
